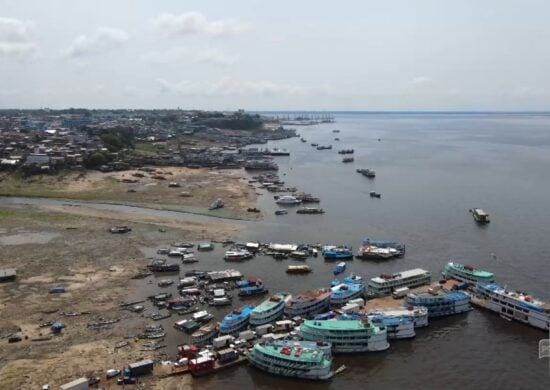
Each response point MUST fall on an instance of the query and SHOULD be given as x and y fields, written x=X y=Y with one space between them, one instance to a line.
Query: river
x=431 y=169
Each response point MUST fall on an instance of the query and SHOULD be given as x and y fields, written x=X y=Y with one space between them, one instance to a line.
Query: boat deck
x=167 y=371
x=389 y=301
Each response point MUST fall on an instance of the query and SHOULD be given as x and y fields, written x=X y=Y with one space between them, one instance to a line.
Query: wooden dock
x=169 y=370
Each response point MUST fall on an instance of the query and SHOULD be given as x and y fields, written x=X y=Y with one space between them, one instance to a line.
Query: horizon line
x=293 y=110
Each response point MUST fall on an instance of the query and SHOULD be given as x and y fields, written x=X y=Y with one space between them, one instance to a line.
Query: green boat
x=346 y=335
x=298 y=359
x=467 y=274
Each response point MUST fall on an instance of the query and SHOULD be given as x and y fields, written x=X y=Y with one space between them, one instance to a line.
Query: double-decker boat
x=204 y=334
x=441 y=302
x=269 y=310
x=467 y=274
x=386 y=283
x=513 y=305
x=236 y=320
x=418 y=314
x=308 y=303
x=397 y=327
x=351 y=288
x=298 y=359
x=346 y=336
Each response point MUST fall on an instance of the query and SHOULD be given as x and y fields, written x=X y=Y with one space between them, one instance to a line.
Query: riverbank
x=173 y=188
x=72 y=247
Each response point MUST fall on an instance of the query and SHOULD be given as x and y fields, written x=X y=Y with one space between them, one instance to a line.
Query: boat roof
x=339 y=325
x=269 y=303
x=474 y=271
x=309 y=295
x=526 y=299
x=480 y=211
x=295 y=353
x=402 y=275
x=400 y=311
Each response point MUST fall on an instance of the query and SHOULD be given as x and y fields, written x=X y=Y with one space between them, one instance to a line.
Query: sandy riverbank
x=197 y=189
x=71 y=247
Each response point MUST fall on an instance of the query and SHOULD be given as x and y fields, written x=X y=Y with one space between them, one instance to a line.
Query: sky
x=276 y=55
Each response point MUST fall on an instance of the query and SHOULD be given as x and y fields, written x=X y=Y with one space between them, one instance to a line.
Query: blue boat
x=340 y=267
x=236 y=320
x=253 y=290
x=325 y=316
x=250 y=281
x=344 y=292
x=334 y=282
x=337 y=253
x=353 y=279
x=441 y=303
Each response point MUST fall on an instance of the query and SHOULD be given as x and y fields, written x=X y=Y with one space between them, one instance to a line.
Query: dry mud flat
x=71 y=247
x=197 y=189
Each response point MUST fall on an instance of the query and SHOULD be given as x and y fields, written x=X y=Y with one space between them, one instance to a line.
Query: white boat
x=386 y=283
x=397 y=327
x=238 y=254
x=514 y=305
x=419 y=314
x=288 y=200
x=202 y=316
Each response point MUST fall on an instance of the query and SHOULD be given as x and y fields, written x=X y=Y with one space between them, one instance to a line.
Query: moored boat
x=299 y=359
x=386 y=283
x=298 y=269
x=337 y=253
x=467 y=274
x=310 y=210
x=418 y=314
x=248 y=291
x=350 y=289
x=340 y=267
x=440 y=302
x=204 y=334
x=513 y=305
x=397 y=327
x=238 y=255
x=236 y=320
x=269 y=310
x=288 y=200
x=346 y=336
x=308 y=303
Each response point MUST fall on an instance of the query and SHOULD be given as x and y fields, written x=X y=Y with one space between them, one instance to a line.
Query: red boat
x=201 y=366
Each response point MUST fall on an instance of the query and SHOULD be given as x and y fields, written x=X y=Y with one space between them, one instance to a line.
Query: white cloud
x=230 y=87
x=421 y=80
x=195 y=23
x=104 y=39
x=215 y=57
x=178 y=54
x=16 y=37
